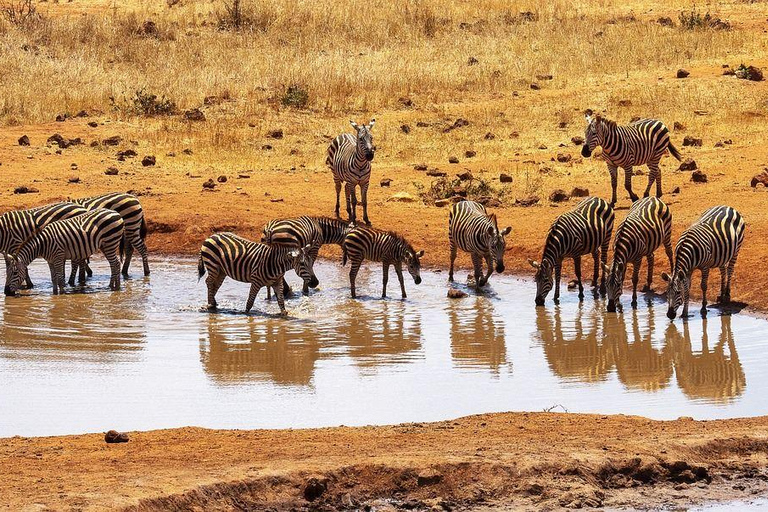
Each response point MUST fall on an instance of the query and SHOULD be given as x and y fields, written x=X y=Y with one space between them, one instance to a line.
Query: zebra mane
x=494 y=220
x=26 y=242
x=402 y=241
x=610 y=123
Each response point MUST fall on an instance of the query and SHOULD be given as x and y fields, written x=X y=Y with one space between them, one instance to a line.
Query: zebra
x=648 y=225
x=714 y=240
x=349 y=158
x=19 y=225
x=385 y=246
x=129 y=208
x=73 y=239
x=225 y=255
x=473 y=230
x=641 y=142
x=296 y=232
x=584 y=230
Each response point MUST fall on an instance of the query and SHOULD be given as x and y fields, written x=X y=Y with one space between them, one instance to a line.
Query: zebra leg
x=353 y=275
x=349 y=191
x=384 y=279
x=489 y=264
x=628 y=183
x=28 y=284
x=635 y=279
x=577 y=268
x=614 y=182
x=731 y=265
x=280 y=299
x=128 y=257
x=723 y=280
x=364 y=202
x=255 y=291
x=477 y=264
x=399 y=271
x=88 y=270
x=453 y=260
x=649 y=280
x=338 y=193
x=596 y=271
x=54 y=268
x=114 y=266
x=73 y=273
x=704 y=279
x=558 y=272
x=213 y=282
x=604 y=263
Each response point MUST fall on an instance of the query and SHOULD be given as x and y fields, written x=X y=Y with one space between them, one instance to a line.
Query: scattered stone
x=562 y=124
x=558 y=196
x=420 y=167
x=527 y=201
x=506 y=178
x=675 y=190
x=542 y=146
x=699 y=177
x=577 y=140
x=535 y=86
x=489 y=201
x=126 y=153
x=402 y=197
x=294 y=151
x=723 y=143
x=209 y=184
x=760 y=178
x=472 y=61
x=453 y=160
x=689 y=164
x=465 y=176
x=148 y=161
x=453 y=293
x=749 y=73
x=406 y=102
x=82 y=113
x=514 y=135
x=113 y=436
x=275 y=134
x=665 y=21
x=314 y=489
x=73 y=166
x=60 y=118
x=267 y=147
x=624 y=103
x=543 y=77
x=276 y=200
x=74 y=179
x=572 y=285
x=111 y=171
x=442 y=202
x=170 y=154
x=692 y=141
x=222 y=179
x=459 y=123
x=470 y=153
x=683 y=73
x=95 y=144
x=727 y=71
x=59 y=140
x=112 y=141
x=428 y=477
x=579 y=192
x=564 y=157
x=459 y=191
x=194 y=114
x=405 y=129
x=489 y=136
x=385 y=182
x=93 y=124
x=187 y=151
x=76 y=141
x=23 y=140
x=678 y=126
x=23 y=189
x=422 y=124
x=436 y=173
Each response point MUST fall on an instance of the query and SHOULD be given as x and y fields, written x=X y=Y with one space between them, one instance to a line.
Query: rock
x=59 y=140
x=543 y=77
x=74 y=179
x=453 y=160
x=76 y=141
x=266 y=147
x=209 y=184
x=113 y=436
x=542 y=146
x=276 y=200
x=405 y=129
x=506 y=178
x=402 y=197
x=527 y=201
x=315 y=488
x=93 y=124
x=563 y=157
x=470 y=153
x=465 y=176
x=406 y=102
x=579 y=192
x=442 y=202
x=675 y=190
x=459 y=191
x=514 y=135
x=558 y=196
x=23 y=140
x=111 y=171
x=23 y=189
x=148 y=161
x=422 y=124
x=760 y=178
x=692 y=141
x=572 y=285
x=683 y=73
x=689 y=164
x=699 y=177
x=187 y=151
x=749 y=73
x=436 y=173
x=472 y=61
x=489 y=136
x=194 y=114
x=82 y=113
x=624 y=103
x=665 y=21
x=535 y=86
x=275 y=134
x=112 y=141
x=678 y=126
x=456 y=124
x=126 y=153
x=453 y=293
x=428 y=477
x=489 y=201
x=727 y=71
x=385 y=182
x=420 y=167
x=577 y=140
x=222 y=179
x=294 y=151
x=60 y=118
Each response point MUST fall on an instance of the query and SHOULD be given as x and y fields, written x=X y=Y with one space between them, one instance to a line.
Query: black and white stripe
x=584 y=230
x=296 y=232
x=642 y=142
x=73 y=239
x=349 y=158
x=713 y=241
x=385 y=246
x=129 y=208
x=472 y=229
x=648 y=225
x=228 y=255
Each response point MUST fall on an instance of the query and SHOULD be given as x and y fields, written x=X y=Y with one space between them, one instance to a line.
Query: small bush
x=474 y=189
x=295 y=96
x=258 y=17
x=694 y=20
x=143 y=103
x=19 y=12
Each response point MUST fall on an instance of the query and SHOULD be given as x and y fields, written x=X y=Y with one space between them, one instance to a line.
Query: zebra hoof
x=634 y=303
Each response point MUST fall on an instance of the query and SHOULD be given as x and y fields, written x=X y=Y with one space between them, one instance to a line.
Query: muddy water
x=149 y=357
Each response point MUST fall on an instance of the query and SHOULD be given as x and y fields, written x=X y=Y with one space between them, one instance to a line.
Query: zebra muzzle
x=9 y=292
x=417 y=280
x=313 y=282
x=499 y=268
x=671 y=314
x=585 y=151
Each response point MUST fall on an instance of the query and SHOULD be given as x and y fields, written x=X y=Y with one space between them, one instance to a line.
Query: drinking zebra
x=713 y=241
x=584 y=230
x=73 y=239
x=349 y=158
x=473 y=230
x=642 y=142
x=228 y=255
x=296 y=232
x=19 y=225
x=385 y=246
x=129 y=208
x=648 y=225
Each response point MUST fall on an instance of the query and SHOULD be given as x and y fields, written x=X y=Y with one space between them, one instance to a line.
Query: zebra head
x=544 y=279
x=591 y=135
x=496 y=243
x=413 y=262
x=15 y=276
x=304 y=266
x=679 y=284
x=365 y=139
x=614 y=283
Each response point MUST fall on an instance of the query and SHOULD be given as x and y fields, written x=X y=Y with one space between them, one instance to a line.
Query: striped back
x=386 y=246
x=294 y=232
x=349 y=156
x=127 y=205
x=333 y=231
x=17 y=226
x=638 y=143
x=474 y=230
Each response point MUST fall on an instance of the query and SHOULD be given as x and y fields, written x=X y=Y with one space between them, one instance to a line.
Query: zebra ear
x=294 y=253
x=507 y=230
x=666 y=277
x=354 y=124
x=492 y=230
x=370 y=125
x=534 y=264
x=420 y=254
x=680 y=275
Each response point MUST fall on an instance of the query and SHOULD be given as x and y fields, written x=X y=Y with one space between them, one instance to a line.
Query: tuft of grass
x=693 y=20
x=142 y=103
x=474 y=189
x=295 y=96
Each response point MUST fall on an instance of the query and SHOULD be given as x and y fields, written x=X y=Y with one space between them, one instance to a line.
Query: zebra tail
x=143 y=229
x=200 y=269
x=343 y=256
x=674 y=152
x=122 y=248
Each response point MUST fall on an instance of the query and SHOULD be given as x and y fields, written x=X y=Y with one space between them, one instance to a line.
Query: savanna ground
x=305 y=68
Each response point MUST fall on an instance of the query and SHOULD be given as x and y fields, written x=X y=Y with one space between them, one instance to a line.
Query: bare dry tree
x=19 y=12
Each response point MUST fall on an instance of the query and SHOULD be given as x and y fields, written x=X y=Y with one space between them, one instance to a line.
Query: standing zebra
x=129 y=208
x=712 y=241
x=641 y=142
x=648 y=225
x=297 y=232
x=349 y=158
x=584 y=230
x=73 y=239
x=385 y=246
x=473 y=230
x=228 y=255
x=17 y=226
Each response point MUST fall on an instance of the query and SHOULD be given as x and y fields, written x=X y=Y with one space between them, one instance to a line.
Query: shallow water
x=149 y=357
